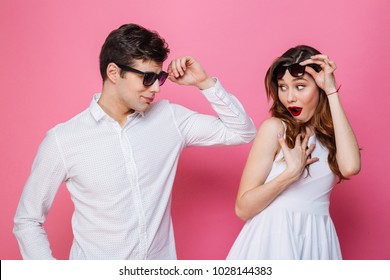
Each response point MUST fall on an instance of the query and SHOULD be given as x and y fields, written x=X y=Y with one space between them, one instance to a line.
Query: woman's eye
x=300 y=87
x=282 y=88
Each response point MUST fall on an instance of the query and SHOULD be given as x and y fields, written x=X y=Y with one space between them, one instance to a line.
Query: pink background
x=49 y=71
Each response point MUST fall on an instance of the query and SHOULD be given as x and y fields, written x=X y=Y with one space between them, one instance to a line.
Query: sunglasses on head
x=296 y=70
x=149 y=77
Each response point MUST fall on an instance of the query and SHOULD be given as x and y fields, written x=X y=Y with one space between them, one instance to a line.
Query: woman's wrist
x=333 y=91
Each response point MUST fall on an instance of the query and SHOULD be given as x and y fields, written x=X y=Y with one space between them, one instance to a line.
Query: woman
x=294 y=161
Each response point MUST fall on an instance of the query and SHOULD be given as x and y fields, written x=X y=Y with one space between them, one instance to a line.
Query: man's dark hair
x=130 y=42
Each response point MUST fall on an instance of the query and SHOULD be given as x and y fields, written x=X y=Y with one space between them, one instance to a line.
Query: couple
x=119 y=157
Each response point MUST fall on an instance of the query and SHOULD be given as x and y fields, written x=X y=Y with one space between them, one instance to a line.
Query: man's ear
x=113 y=72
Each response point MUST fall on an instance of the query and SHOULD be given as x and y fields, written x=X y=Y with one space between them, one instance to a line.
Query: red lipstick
x=295 y=111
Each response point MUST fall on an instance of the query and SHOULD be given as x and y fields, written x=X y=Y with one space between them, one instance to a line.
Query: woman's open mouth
x=295 y=111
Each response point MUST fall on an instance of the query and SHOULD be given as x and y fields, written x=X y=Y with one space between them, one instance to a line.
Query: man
x=119 y=157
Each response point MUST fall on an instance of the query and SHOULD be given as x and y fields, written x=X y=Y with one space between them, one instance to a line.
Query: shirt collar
x=98 y=113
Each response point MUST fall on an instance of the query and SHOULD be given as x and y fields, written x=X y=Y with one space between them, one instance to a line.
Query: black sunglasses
x=296 y=70
x=149 y=77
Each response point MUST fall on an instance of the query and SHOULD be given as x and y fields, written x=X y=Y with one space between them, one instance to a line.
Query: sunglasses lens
x=162 y=77
x=296 y=70
x=280 y=70
x=149 y=79
x=316 y=67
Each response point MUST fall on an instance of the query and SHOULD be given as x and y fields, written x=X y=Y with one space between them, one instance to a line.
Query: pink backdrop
x=49 y=71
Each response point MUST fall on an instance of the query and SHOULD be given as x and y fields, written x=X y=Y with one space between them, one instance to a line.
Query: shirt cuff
x=217 y=95
x=212 y=90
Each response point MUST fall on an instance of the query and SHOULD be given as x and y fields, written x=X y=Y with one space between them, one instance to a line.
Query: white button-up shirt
x=120 y=178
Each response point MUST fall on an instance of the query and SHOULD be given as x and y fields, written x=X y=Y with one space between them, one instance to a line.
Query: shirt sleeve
x=232 y=126
x=47 y=174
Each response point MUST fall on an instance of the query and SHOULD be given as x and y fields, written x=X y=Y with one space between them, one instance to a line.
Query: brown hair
x=130 y=42
x=321 y=121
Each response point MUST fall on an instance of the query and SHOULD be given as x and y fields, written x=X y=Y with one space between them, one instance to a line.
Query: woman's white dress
x=297 y=224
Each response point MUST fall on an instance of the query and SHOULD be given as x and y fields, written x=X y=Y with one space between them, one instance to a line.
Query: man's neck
x=113 y=108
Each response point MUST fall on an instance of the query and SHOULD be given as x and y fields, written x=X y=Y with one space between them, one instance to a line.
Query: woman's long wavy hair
x=321 y=121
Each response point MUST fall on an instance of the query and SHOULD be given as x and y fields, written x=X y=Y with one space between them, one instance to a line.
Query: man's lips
x=148 y=99
x=295 y=111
